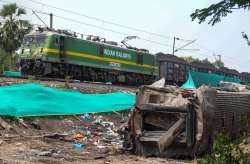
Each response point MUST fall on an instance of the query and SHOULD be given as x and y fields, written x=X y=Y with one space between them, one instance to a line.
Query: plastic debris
x=98 y=120
x=78 y=136
x=78 y=146
x=87 y=116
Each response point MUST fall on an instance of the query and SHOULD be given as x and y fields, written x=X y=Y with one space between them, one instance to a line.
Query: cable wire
x=91 y=25
x=105 y=21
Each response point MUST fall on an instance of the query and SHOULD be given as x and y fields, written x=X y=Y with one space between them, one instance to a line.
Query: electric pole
x=175 y=38
x=219 y=57
x=183 y=46
x=50 y=16
x=51 y=20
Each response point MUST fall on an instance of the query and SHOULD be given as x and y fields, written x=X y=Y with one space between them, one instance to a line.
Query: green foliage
x=221 y=9
x=12 y=31
x=13 y=28
x=224 y=152
x=218 y=64
x=190 y=59
x=4 y=61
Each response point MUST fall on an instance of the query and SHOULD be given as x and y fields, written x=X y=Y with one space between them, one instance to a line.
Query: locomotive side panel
x=86 y=53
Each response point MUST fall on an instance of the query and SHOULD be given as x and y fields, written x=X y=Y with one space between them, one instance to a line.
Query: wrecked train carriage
x=167 y=122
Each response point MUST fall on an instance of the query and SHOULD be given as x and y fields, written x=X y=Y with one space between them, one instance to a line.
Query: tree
x=221 y=9
x=191 y=60
x=13 y=29
x=218 y=64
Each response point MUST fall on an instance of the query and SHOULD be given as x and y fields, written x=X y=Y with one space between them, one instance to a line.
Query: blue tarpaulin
x=196 y=79
x=12 y=74
x=37 y=100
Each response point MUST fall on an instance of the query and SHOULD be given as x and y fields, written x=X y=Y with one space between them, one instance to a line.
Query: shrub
x=224 y=152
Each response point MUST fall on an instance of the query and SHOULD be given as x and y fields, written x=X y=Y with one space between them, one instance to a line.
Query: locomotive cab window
x=139 y=58
x=101 y=50
x=57 y=41
x=61 y=43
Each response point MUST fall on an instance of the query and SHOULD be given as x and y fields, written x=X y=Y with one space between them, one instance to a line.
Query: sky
x=164 y=17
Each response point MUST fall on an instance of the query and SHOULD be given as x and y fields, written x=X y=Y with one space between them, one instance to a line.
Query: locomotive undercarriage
x=83 y=73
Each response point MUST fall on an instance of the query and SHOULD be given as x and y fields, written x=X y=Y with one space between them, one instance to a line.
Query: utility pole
x=175 y=38
x=50 y=15
x=244 y=35
x=183 y=46
x=219 y=57
x=51 y=21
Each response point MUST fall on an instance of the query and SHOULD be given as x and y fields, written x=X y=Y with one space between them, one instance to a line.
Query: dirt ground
x=89 y=138
x=51 y=140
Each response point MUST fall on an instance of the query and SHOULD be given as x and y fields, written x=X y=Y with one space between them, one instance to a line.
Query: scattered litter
x=87 y=116
x=22 y=122
x=40 y=153
x=5 y=125
x=78 y=136
x=78 y=146
x=98 y=120
x=35 y=125
x=101 y=146
x=88 y=134
x=18 y=144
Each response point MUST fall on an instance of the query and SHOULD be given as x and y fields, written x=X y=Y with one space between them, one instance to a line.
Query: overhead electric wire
x=212 y=51
x=185 y=45
x=39 y=18
x=95 y=26
x=105 y=21
x=225 y=58
x=110 y=30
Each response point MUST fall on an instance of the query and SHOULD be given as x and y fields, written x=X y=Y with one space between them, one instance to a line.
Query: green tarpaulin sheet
x=13 y=74
x=196 y=79
x=37 y=100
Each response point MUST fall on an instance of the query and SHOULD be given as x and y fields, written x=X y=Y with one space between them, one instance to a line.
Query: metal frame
x=189 y=118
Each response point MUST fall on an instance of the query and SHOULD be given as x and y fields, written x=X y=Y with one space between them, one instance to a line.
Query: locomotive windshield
x=37 y=40
x=32 y=45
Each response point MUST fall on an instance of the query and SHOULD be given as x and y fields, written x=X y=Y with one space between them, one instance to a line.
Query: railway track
x=77 y=83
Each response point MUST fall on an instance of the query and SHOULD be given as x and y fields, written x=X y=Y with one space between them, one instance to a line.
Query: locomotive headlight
x=20 y=51
x=26 y=50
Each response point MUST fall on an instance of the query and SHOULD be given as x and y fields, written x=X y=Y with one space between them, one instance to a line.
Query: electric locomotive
x=59 y=54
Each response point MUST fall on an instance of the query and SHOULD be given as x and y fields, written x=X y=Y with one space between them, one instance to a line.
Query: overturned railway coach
x=171 y=122
x=60 y=54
